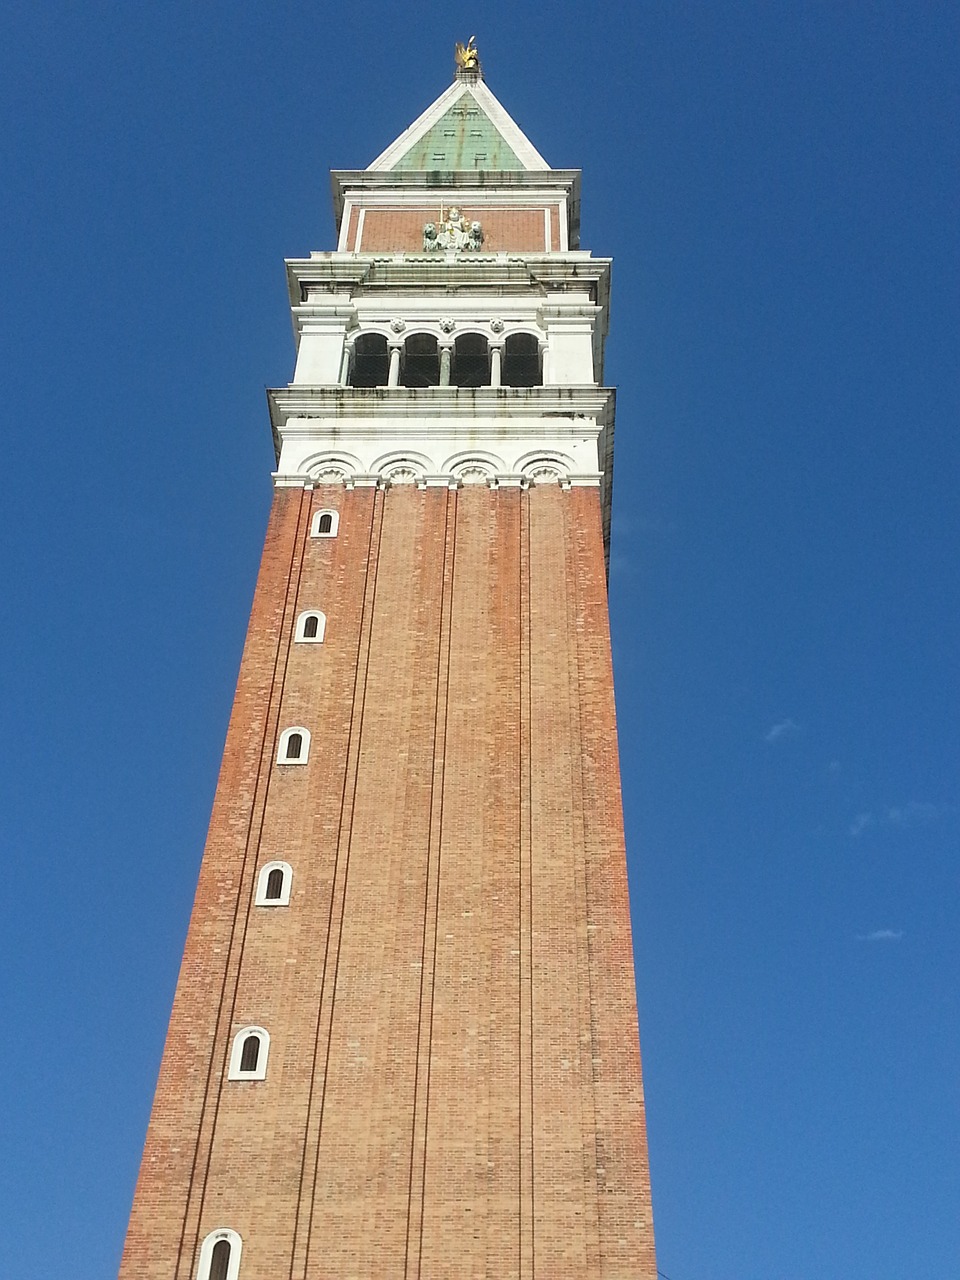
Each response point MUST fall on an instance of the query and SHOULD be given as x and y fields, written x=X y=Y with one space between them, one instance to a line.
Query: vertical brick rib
x=193 y=1208
x=590 y=1049
x=527 y=1242
x=314 y=1119
x=565 y=1168
x=428 y=954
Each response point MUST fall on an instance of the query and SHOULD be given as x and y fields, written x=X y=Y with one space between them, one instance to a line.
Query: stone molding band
x=422 y=480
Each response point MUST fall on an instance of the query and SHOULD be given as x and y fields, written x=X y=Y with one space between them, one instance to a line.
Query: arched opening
x=324 y=524
x=220 y=1261
x=521 y=361
x=471 y=361
x=311 y=625
x=250 y=1055
x=220 y=1255
x=273 y=886
x=370 y=361
x=294 y=744
x=421 y=361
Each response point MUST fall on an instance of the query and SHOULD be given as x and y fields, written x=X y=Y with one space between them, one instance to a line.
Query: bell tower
x=404 y=1039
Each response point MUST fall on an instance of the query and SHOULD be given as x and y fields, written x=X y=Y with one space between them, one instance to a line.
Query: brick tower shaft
x=404 y=1040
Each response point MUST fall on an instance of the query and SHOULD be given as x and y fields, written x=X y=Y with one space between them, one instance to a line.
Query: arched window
x=521 y=361
x=311 y=626
x=324 y=524
x=371 y=362
x=471 y=361
x=294 y=746
x=273 y=885
x=421 y=361
x=220 y=1256
x=248 y=1057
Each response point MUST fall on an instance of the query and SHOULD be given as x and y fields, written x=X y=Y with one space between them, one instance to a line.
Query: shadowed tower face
x=404 y=1038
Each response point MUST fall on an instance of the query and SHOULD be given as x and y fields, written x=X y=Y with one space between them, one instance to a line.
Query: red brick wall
x=453 y=1085
x=401 y=229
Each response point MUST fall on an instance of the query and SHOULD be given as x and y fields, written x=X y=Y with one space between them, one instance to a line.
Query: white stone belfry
x=456 y=335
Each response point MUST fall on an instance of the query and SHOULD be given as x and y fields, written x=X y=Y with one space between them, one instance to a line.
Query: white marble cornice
x=325 y=276
x=452 y=403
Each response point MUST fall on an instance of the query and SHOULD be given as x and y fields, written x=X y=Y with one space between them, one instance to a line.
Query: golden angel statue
x=467 y=55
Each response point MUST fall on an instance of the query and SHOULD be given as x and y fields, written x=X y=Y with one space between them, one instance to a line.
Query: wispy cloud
x=783 y=728
x=913 y=814
x=834 y=767
x=861 y=822
x=881 y=935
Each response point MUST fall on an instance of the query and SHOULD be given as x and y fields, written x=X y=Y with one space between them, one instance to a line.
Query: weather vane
x=467 y=55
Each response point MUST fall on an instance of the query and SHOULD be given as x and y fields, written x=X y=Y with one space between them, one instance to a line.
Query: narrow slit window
x=310 y=628
x=220 y=1261
x=251 y=1054
x=273 y=885
x=220 y=1255
x=294 y=746
x=324 y=524
x=248 y=1055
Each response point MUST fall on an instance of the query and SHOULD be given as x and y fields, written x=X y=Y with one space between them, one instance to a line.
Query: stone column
x=393 y=376
x=446 y=359
x=496 y=365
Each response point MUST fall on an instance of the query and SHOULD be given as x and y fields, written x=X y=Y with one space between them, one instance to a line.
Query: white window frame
x=236 y=1054
x=206 y=1253
x=315 y=523
x=285 y=738
x=261 y=900
x=298 y=635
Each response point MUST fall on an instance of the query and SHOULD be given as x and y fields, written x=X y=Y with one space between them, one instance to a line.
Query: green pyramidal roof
x=463 y=138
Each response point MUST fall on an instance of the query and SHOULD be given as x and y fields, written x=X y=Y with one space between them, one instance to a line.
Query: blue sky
x=778 y=186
